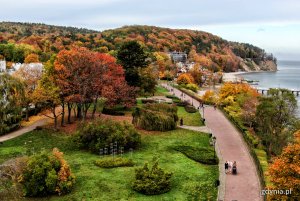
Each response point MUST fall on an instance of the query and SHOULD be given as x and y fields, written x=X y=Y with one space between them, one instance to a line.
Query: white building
x=2 y=65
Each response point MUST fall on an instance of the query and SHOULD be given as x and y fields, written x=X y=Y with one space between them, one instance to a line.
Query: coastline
x=236 y=76
x=232 y=77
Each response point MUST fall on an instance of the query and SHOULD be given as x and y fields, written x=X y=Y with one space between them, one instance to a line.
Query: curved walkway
x=244 y=186
x=23 y=130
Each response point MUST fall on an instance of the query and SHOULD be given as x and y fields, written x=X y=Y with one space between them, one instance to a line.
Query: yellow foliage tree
x=231 y=89
x=209 y=97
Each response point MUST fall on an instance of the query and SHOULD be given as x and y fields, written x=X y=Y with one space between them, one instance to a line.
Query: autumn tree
x=275 y=117
x=132 y=56
x=30 y=75
x=31 y=58
x=197 y=74
x=148 y=80
x=285 y=171
x=11 y=97
x=85 y=76
x=234 y=90
x=47 y=92
x=185 y=78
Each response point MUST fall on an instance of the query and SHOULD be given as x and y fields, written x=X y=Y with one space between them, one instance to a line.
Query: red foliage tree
x=84 y=76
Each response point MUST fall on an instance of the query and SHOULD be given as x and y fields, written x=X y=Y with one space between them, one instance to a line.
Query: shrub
x=10 y=171
x=190 y=109
x=201 y=155
x=100 y=134
x=158 y=117
x=182 y=103
x=144 y=101
x=111 y=111
x=152 y=181
x=253 y=139
x=172 y=97
x=110 y=162
x=47 y=174
x=192 y=87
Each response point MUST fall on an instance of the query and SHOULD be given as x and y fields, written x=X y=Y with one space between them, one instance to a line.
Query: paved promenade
x=244 y=186
x=23 y=130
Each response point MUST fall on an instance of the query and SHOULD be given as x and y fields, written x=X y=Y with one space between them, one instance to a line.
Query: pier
x=263 y=91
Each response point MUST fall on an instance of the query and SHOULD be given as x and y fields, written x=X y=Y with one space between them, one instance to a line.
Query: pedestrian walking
x=226 y=167
x=234 y=169
x=230 y=166
x=181 y=122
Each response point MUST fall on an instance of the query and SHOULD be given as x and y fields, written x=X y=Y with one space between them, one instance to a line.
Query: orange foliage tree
x=32 y=58
x=285 y=171
x=185 y=78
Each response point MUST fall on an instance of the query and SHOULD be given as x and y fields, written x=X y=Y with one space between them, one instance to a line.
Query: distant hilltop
x=211 y=51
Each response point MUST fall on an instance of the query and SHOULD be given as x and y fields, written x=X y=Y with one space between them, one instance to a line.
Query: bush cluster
x=192 y=87
x=201 y=155
x=172 y=97
x=190 y=109
x=144 y=101
x=47 y=174
x=182 y=103
x=110 y=162
x=252 y=139
x=111 y=111
x=158 y=117
x=100 y=134
x=152 y=181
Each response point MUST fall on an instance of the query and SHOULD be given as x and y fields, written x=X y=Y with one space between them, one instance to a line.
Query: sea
x=287 y=76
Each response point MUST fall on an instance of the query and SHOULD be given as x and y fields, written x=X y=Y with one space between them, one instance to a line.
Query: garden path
x=23 y=130
x=244 y=186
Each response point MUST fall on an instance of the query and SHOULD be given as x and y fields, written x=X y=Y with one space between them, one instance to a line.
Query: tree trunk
x=69 y=112
x=95 y=107
x=27 y=113
x=74 y=110
x=55 y=118
x=85 y=108
x=63 y=113
x=79 y=111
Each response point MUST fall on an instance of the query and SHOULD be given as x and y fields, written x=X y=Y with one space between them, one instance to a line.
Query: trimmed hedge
x=144 y=101
x=110 y=162
x=113 y=112
x=201 y=155
x=182 y=103
x=152 y=181
x=158 y=117
x=172 y=97
x=190 y=109
x=100 y=134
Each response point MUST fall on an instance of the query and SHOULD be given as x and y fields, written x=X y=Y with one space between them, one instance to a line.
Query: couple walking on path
x=230 y=167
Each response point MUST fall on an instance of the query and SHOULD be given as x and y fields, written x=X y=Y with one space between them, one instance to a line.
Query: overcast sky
x=270 y=24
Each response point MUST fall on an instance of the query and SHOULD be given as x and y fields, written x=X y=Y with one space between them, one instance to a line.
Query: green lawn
x=161 y=91
x=189 y=119
x=94 y=183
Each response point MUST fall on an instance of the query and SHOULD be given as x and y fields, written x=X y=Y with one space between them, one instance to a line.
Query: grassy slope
x=160 y=91
x=94 y=183
x=189 y=119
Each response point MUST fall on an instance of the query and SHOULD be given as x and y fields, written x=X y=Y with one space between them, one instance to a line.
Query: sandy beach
x=232 y=77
